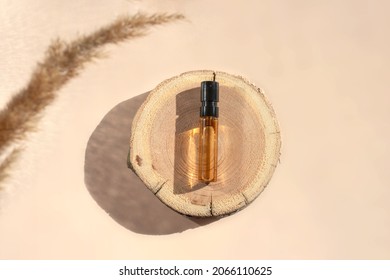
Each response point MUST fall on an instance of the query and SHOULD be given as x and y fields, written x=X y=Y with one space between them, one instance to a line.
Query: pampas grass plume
x=62 y=62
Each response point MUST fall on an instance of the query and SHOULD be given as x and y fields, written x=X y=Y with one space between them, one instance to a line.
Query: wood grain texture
x=164 y=144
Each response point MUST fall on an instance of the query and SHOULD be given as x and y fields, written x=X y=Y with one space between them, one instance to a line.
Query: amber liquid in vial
x=208 y=149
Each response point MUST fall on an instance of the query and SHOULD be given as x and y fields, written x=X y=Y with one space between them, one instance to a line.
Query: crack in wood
x=211 y=205
x=160 y=187
x=245 y=199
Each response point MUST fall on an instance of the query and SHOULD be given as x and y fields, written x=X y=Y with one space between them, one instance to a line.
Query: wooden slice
x=164 y=144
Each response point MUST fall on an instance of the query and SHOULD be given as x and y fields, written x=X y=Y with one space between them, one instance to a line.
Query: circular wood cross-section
x=164 y=144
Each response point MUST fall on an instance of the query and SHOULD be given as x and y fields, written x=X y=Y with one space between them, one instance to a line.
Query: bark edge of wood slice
x=164 y=136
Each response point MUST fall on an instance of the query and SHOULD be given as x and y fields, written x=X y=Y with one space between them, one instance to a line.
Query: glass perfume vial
x=208 y=131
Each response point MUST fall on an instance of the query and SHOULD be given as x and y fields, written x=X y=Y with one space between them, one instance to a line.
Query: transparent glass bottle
x=208 y=132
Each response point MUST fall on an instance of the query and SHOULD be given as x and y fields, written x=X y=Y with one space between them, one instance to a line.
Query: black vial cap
x=209 y=96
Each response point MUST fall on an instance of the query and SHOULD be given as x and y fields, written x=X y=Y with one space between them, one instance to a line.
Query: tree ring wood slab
x=164 y=144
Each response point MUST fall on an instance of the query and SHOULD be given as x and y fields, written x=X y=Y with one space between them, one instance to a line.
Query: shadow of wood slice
x=164 y=144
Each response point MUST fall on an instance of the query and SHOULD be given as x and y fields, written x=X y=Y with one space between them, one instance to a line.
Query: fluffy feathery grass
x=62 y=62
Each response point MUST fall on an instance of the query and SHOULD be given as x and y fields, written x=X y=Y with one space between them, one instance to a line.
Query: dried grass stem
x=62 y=62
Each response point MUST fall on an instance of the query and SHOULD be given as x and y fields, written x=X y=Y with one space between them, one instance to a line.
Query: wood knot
x=138 y=159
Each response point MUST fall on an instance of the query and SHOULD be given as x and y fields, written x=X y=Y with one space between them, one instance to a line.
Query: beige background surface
x=324 y=66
